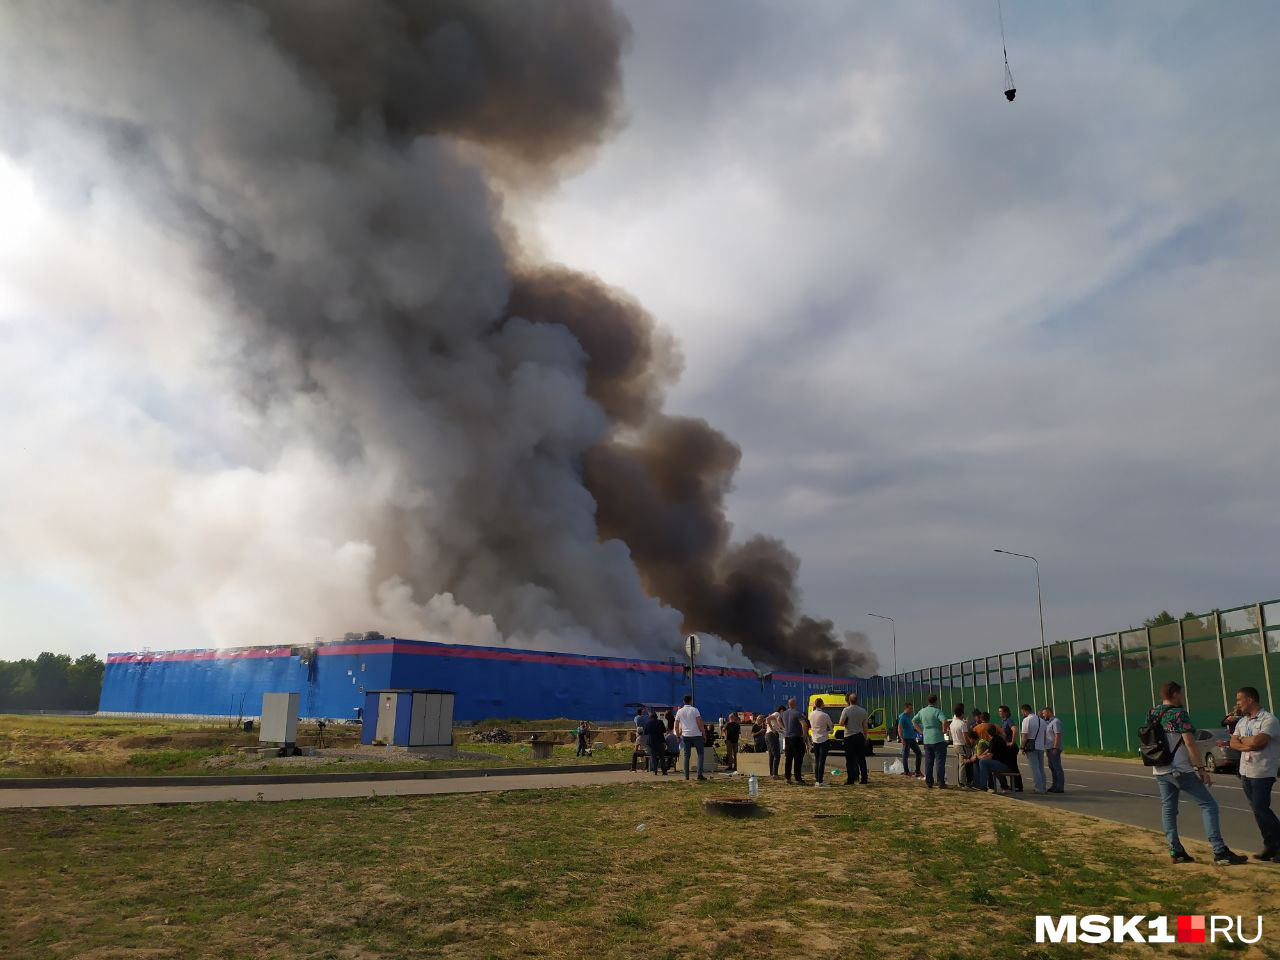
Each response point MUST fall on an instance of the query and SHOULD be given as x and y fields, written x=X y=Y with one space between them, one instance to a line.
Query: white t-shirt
x=1035 y=731
x=820 y=726
x=1260 y=764
x=773 y=723
x=687 y=718
x=958 y=730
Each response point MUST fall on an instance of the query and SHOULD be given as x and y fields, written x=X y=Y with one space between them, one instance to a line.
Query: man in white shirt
x=959 y=730
x=773 y=740
x=1257 y=737
x=1034 y=737
x=692 y=733
x=820 y=727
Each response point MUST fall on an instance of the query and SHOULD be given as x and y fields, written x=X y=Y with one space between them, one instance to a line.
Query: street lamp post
x=894 y=627
x=1044 y=652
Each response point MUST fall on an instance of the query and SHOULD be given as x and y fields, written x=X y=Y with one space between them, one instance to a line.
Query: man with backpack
x=1168 y=745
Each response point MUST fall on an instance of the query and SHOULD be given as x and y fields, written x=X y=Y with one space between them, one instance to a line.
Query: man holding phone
x=1257 y=737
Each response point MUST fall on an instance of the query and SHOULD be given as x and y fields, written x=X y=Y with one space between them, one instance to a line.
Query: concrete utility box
x=279 y=723
x=408 y=718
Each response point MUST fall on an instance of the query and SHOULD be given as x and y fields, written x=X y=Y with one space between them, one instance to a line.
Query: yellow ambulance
x=834 y=703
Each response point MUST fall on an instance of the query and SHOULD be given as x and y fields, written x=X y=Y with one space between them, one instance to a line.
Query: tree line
x=52 y=681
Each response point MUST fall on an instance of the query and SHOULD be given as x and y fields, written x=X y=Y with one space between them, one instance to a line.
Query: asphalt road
x=1126 y=791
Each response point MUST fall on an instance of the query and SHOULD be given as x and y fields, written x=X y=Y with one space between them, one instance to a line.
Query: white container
x=753 y=787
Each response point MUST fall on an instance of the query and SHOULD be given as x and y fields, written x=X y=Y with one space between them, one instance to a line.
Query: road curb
x=57 y=783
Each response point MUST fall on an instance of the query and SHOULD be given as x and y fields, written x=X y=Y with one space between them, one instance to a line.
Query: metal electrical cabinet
x=408 y=718
x=279 y=719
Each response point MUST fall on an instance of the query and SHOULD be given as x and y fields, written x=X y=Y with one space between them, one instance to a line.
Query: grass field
x=33 y=746
x=891 y=871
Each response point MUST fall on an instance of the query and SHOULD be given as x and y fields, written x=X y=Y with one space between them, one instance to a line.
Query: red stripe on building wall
x=487 y=653
x=422 y=648
x=175 y=656
x=812 y=679
x=569 y=660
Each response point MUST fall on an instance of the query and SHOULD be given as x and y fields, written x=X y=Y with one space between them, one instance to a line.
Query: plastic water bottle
x=753 y=787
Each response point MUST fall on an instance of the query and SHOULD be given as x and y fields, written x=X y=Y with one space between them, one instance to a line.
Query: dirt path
x=143 y=794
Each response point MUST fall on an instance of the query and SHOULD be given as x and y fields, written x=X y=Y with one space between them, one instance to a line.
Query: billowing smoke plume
x=420 y=432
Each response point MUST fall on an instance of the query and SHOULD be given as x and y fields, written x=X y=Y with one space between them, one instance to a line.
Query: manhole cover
x=732 y=807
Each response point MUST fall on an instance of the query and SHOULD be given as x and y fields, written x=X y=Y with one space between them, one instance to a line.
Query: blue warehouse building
x=332 y=678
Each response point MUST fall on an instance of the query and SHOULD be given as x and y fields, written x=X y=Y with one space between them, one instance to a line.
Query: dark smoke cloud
x=494 y=427
x=538 y=80
x=630 y=361
x=661 y=490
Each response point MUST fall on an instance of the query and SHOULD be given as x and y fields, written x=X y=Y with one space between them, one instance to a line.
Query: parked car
x=1217 y=759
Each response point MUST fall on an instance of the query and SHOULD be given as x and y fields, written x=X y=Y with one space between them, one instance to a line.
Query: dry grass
x=32 y=746
x=891 y=871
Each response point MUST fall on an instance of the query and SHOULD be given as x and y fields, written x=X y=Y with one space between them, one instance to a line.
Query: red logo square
x=1190 y=929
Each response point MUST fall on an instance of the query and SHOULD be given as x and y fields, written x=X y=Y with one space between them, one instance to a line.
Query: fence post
x=1071 y=672
x=1046 y=667
x=1182 y=652
x=1017 y=684
x=1124 y=698
x=1266 y=658
x=1151 y=667
x=1222 y=663
x=1097 y=696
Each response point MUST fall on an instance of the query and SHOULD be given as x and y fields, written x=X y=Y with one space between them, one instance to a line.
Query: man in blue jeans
x=693 y=733
x=1053 y=752
x=1034 y=739
x=1186 y=774
x=931 y=721
x=1257 y=737
x=908 y=733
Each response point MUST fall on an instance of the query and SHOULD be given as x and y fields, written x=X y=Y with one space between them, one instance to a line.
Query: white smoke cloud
x=170 y=447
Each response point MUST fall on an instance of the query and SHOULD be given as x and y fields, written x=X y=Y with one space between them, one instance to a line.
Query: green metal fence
x=1102 y=686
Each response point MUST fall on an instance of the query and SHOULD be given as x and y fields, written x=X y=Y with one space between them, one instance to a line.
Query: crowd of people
x=787 y=735
x=984 y=748
x=988 y=750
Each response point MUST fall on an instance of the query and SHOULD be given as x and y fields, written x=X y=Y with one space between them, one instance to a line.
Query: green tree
x=52 y=681
x=84 y=683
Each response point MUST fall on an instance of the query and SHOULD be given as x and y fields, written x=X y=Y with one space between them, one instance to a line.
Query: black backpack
x=1153 y=745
